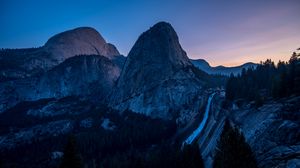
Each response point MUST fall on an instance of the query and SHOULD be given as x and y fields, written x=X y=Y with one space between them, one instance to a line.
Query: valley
x=77 y=96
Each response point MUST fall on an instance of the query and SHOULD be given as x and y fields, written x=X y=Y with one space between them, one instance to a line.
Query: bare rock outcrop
x=157 y=75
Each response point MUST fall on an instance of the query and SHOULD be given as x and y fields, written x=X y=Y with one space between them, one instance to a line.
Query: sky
x=223 y=32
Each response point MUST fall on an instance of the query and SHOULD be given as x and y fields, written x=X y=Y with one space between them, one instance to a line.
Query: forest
x=134 y=140
x=267 y=80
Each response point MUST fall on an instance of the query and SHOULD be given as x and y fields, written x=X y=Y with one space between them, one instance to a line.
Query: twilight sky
x=227 y=32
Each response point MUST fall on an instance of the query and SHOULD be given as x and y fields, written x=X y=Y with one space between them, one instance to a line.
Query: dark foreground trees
x=232 y=150
x=174 y=157
x=191 y=157
x=71 y=158
x=162 y=156
x=137 y=141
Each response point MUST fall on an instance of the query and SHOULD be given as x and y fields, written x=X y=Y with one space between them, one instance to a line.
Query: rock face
x=22 y=63
x=119 y=60
x=221 y=70
x=80 y=75
x=91 y=75
x=79 y=41
x=76 y=62
x=272 y=132
x=157 y=75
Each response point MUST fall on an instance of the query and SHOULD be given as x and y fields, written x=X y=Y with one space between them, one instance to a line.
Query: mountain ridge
x=91 y=95
x=221 y=70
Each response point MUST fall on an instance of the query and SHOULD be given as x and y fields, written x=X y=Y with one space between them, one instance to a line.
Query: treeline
x=137 y=141
x=161 y=156
x=267 y=80
x=20 y=49
x=133 y=139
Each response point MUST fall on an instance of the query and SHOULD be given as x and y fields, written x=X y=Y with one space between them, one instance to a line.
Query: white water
x=193 y=136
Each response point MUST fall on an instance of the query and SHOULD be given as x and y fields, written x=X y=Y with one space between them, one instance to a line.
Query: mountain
x=91 y=75
x=221 y=70
x=157 y=76
x=79 y=41
x=76 y=62
x=22 y=63
x=79 y=84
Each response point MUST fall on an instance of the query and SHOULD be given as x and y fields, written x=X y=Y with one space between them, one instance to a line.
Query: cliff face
x=92 y=75
x=272 y=131
x=80 y=75
x=156 y=77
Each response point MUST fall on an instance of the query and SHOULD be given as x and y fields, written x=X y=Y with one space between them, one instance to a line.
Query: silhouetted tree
x=258 y=100
x=230 y=88
x=232 y=150
x=71 y=158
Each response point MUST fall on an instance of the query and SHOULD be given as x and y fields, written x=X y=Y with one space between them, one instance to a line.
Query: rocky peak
x=79 y=41
x=155 y=56
x=159 y=43
x=155 y=75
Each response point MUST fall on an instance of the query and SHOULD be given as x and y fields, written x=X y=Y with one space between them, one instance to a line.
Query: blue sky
x=228 y=32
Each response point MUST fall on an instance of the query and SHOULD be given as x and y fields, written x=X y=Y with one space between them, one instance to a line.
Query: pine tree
x=232 y=150
x=297 y=75
x=71 y=158
x=258 y=100
x=230 y=88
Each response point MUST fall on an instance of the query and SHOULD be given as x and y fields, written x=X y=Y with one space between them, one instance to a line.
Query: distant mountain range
x=221 y=70
x=79 y=62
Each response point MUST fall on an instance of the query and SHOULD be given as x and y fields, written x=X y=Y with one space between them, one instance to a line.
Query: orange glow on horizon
x=258 y=59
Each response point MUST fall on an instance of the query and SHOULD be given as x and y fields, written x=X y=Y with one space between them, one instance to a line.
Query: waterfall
x=199 y=129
